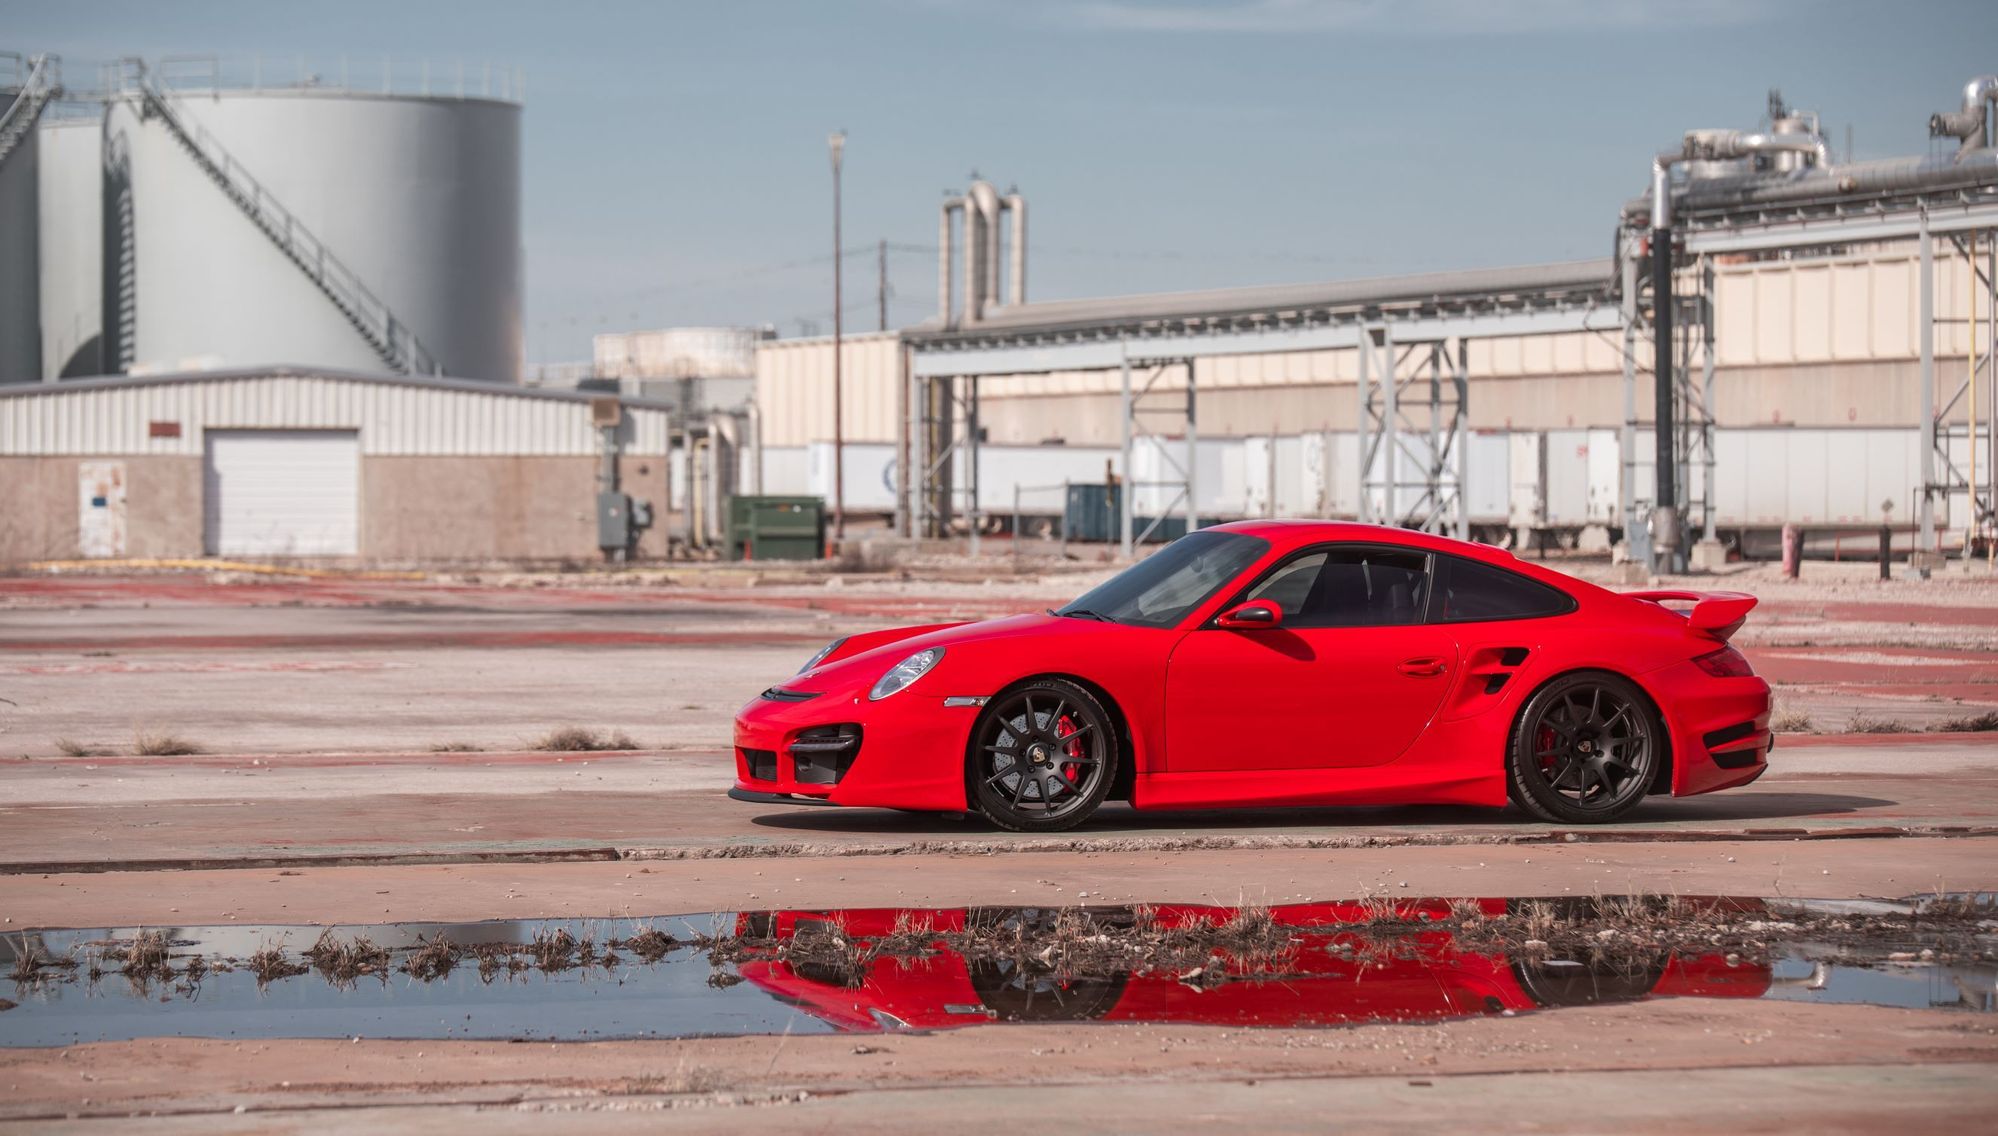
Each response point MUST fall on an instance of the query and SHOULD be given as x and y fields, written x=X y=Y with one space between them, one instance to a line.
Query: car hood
x=881 y=650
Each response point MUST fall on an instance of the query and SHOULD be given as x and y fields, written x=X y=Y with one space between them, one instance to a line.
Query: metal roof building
x=305 y=462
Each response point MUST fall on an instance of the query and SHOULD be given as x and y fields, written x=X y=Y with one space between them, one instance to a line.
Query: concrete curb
x=1083 y=845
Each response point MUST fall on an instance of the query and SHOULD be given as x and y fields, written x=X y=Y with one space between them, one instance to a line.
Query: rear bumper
x=1719 y=727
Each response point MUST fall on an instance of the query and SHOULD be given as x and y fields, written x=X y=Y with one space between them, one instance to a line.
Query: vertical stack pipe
x=1664 y=513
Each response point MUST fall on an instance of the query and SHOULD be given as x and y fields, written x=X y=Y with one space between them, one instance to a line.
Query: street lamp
x=836 y=142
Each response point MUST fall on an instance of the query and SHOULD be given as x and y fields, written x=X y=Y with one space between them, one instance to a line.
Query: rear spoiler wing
x=1716 y=614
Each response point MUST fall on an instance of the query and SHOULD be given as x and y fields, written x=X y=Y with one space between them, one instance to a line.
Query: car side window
x=1290 y=584
x=1468 y=592
x=1349 y=587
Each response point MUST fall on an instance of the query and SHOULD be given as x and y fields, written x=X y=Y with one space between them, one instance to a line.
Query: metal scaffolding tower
x=1135 y=429
x=943 y=422
x=1952 y=466
x=1413 y=413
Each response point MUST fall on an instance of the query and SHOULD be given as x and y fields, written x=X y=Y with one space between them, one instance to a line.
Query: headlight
x=905 y=672
x=828 y=649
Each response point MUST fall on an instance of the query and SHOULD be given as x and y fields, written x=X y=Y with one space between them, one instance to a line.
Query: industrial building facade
x=1828 y=329
x=1816 y=393
x=317 y=465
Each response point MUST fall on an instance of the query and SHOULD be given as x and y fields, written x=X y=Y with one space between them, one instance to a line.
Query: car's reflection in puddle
x=1301 y=965
x=1339 y=963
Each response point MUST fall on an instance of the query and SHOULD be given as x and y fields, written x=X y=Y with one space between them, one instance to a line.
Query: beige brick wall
x=38 y=507
x=429 y=509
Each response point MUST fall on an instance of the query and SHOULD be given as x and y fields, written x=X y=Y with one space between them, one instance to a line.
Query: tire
x=1585 y=749
x=1027 y=992
x=1042 y=758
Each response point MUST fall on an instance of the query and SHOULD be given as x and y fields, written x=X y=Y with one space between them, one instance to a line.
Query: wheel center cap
x=1039 y=753
x=1587 y=747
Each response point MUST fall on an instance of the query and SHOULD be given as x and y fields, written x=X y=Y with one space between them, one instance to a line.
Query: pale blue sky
x=674 y=153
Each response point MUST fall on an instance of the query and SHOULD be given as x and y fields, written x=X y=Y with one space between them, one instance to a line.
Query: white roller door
x=282 y=493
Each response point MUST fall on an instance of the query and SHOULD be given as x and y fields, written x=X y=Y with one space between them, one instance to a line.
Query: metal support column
x=1708 y=505
x=1461 y=441
x=972 y=514
x=1193 y=456
x=1626 y=505
x=1361 y=425
x=1124 y=497
x=912 y=450
x=1925 y=328
x=1665 y=526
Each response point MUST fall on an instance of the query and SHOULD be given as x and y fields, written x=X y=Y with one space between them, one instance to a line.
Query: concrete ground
x=165 y=812
x=317 y=801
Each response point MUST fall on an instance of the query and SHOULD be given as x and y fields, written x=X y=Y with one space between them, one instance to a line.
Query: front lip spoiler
x=738 y=793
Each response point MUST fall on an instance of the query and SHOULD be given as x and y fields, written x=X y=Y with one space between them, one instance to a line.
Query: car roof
x=1291 y=533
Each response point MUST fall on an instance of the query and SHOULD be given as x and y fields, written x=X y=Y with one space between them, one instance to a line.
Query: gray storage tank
x=27 y=83
x=328 y=227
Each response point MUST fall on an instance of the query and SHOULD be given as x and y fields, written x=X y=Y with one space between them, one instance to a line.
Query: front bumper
x=909 y=753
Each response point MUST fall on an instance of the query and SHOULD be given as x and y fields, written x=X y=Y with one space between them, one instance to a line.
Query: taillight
x=1725 y=663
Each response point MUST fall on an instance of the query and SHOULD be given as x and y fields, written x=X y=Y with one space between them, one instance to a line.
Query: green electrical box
x=776 y=528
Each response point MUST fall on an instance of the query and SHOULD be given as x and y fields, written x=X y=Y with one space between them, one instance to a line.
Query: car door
x=1349 y=677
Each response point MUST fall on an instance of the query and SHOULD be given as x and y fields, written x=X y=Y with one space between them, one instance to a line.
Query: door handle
x=1428 y=667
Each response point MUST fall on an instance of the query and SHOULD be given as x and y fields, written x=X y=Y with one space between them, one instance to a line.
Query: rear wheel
x=1585 y=749
x=1043 y=755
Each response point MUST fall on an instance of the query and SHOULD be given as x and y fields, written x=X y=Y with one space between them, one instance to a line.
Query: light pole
x=837 y=143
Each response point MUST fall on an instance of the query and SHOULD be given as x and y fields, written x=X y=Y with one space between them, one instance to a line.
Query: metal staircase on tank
x=389 y=337
x=42 y=83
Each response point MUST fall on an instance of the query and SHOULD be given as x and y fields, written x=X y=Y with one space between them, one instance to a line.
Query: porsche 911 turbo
x=1277 y=664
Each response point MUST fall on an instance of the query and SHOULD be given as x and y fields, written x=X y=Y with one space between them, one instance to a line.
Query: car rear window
x=1467 y=592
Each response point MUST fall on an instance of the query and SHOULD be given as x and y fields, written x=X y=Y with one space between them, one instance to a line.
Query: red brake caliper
x=1542 y=742
x=1063 y=728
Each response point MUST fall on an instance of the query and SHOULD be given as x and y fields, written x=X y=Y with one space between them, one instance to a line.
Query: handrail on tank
x=42 y=82
x=375 y=76
x=306 y=249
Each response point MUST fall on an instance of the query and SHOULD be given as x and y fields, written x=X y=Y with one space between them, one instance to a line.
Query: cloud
x=1409 y=17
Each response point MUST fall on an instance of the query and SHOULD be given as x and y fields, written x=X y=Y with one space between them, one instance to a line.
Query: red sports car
x=1279 y=663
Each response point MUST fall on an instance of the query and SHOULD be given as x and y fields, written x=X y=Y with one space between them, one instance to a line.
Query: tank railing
x=378 y=75
x=391 y=337
x=41 y=82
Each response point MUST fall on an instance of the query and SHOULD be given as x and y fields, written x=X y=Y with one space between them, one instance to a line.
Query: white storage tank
x=71 y=161
x=417 y=196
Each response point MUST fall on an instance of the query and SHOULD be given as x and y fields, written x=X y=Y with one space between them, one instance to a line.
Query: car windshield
x=1161 y=589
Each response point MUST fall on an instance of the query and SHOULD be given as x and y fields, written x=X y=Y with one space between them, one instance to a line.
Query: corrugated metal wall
x=403 y=419
x=1859 y=307
x=1854 y=309
x=794 y=389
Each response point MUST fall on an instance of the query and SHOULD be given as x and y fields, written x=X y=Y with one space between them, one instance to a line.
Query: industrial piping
x=1698 y=145
x=978 y=243
x=1971 y=125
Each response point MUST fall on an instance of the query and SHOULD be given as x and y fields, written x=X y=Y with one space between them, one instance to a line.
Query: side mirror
x=1256 y=615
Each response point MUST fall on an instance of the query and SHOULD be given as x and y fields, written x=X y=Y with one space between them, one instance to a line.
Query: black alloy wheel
x=1585 y=750
x=1023 y=991
x=1042 y=757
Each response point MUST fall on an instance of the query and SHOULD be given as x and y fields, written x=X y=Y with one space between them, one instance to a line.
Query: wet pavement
x=894 y=970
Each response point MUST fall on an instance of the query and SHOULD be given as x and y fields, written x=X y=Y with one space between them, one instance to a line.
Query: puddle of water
x=884 y=969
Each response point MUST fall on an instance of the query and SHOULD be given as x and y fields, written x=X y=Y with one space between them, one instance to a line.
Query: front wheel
x=1042 y=757
x=1585 y=749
